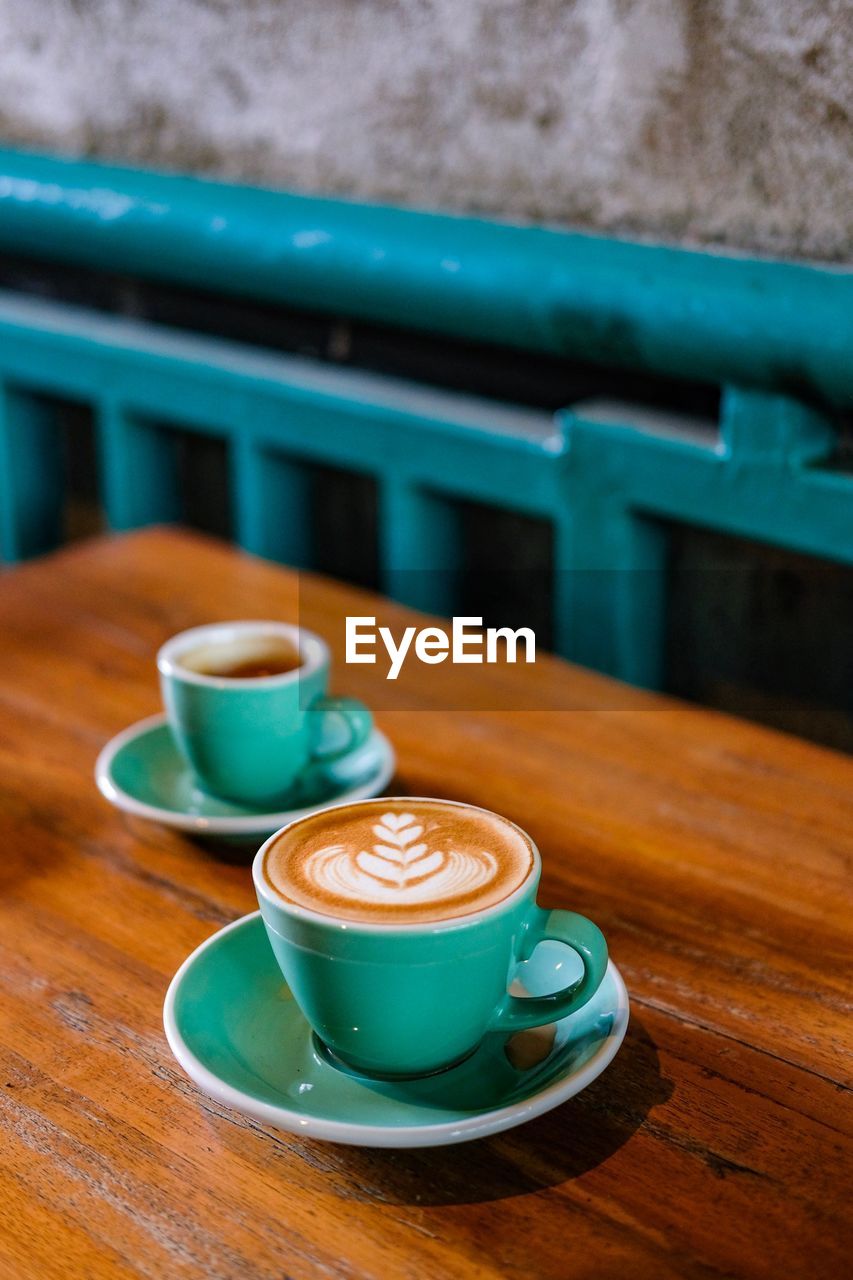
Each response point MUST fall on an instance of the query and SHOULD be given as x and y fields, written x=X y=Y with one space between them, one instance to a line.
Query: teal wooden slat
x=419 y=545
x=609 y=590
x=773 y=430
x=31 y=498
x=776 y=496
x=272 y=500
x=138 y=475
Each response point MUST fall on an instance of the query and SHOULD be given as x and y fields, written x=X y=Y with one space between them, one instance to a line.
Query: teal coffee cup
x=248 y=707
x=399 y=926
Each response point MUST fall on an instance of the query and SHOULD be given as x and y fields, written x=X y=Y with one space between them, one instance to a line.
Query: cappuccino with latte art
x=398 y=925
x=399 y=861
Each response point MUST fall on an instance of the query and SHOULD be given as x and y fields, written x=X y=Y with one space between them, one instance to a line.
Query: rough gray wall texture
x=684 y=120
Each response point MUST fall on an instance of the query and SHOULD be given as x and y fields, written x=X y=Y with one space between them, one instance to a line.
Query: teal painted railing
x=777 y=338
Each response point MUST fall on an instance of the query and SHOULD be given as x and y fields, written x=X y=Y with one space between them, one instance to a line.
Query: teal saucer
x=142 y=772
x=236 y=1030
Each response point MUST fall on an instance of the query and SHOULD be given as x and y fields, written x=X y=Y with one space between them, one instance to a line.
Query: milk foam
x=415 y=860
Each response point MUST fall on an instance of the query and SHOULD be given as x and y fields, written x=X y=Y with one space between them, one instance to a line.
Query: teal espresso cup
x=399 y=925
x=247 y=704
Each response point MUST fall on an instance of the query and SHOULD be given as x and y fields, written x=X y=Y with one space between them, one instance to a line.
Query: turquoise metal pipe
x=774 y=325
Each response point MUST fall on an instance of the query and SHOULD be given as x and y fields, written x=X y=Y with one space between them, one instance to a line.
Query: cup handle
x=517 y=1013
x=356 y=718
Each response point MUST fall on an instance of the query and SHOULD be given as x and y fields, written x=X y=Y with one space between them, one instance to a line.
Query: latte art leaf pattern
x=399 y=860
x=375 y=864
x=400 y=868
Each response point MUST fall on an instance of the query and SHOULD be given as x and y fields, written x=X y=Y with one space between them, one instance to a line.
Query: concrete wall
x=719 y=123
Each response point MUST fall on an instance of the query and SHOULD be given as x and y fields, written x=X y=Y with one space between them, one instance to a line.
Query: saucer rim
x=250 y=824
x=353 y=1133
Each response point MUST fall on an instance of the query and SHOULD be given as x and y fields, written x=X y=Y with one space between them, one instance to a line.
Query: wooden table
x=714 y=854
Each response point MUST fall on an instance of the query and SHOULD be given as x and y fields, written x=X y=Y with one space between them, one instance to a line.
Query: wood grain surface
x=715 y=855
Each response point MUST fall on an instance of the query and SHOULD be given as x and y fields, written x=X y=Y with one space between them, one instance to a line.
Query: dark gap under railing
x=842 y=459
x=761 y=632
x=202 y=467
x=69 y=447
x=519 y=593
x=345 y=525
x=83 y=513
x=509 y=375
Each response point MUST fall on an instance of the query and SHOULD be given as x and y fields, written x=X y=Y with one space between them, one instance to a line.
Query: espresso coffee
x=249 y=658
x=401 y=861
x=258 y=668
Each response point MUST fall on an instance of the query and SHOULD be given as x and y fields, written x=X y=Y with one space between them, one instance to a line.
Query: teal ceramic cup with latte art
x=399 y=924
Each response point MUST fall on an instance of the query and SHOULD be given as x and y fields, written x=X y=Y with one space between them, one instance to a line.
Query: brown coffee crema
x=399 y=861
x=246 y=658
x=259 y=668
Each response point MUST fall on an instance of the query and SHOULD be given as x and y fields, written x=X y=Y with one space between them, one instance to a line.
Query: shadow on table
x=233 y=853
x=548 y=1151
